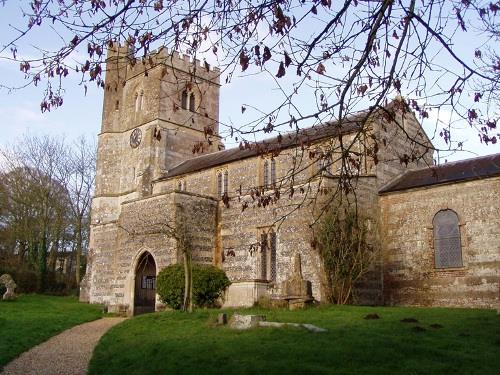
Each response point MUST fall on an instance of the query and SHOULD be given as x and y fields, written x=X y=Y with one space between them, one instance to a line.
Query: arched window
x=141 y=101
x=226 y=182
x=181 y=185
x=219 y=184
x=272 y=255
x=192 y=102
x=268 y=254
x=265 y=174
x=263 y=255
x=184 y=100
x=222 y=183
x=273 y=172
x=447 y=244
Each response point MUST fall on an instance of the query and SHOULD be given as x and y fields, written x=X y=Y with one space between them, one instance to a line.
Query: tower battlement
x=133 y=65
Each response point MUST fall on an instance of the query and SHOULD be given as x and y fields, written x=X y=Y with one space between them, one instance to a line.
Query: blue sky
x=81 y=114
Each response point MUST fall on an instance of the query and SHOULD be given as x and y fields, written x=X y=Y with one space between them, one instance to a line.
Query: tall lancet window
x=184 y=100
x=265 y=176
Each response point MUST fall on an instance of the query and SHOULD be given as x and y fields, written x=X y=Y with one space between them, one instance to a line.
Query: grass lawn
x=32 y=319
x=172 y=343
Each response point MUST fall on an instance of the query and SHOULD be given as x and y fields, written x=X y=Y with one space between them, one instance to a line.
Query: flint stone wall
x=410 y=276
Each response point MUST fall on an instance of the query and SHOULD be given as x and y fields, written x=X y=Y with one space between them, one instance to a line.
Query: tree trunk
x=188 y=283
x=78 y=253
x=42 y=265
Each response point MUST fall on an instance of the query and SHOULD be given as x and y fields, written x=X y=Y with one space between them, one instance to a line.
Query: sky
x=81 y=112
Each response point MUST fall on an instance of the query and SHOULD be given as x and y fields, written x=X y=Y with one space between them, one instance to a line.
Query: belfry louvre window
x=184 y=100
x=191 y=102
x=447 y=243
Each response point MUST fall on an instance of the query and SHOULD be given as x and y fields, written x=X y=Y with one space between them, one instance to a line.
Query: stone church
x=249 y=210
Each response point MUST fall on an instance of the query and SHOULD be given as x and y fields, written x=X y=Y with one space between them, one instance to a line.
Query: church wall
x=101 y=260
x=239 y=229
x=108 y=158
x=410 y=277
x=148 y=224
x=397 y=143
x=198 y=215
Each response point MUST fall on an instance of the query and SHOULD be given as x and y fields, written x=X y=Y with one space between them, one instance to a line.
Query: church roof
x=267 y=146
x=463 y=170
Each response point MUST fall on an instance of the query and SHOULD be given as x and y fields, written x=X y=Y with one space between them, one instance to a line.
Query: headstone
x=296 y=290
x=9 y=283
x=222 y=319
x=246 y=321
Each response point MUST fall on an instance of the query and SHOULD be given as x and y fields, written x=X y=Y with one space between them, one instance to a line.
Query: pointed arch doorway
x=145 y=284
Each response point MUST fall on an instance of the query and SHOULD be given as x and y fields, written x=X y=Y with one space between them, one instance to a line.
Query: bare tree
x=36 y=201
x=45 y=196
x=79 y=176
x=344 y=55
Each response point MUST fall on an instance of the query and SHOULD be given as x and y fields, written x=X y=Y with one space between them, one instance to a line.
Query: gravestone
x=296 y=290
x=246 y=321
x=9 y=283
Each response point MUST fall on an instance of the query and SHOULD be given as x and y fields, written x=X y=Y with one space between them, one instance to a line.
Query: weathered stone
x=410 y=274
x=10 y=285
x=238 y=321
x=309 y=327
x=295 y=289
x=222 y=319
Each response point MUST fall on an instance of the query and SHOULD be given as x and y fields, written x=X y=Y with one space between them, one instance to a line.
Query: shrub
x=209 y=282
x=170 y=285
x=345 y=253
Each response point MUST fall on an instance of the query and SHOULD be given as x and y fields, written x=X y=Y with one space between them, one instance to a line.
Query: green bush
x=209 y=282
x=170 y=285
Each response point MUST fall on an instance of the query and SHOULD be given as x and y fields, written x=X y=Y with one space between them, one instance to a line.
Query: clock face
x=135 y=138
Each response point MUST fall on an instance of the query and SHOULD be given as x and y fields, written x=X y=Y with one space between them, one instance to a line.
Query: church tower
x=158 y=111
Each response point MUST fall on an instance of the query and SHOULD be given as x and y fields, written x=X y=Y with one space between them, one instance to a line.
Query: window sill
x=462 y=268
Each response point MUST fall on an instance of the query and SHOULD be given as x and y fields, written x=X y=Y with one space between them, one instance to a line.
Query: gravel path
x=67 y=353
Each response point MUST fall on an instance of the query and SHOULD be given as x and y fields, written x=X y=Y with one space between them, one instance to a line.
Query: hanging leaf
x=267 y=54
x=244 y=60
x=281 y=70
x=288 y=60
x=320 y=69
